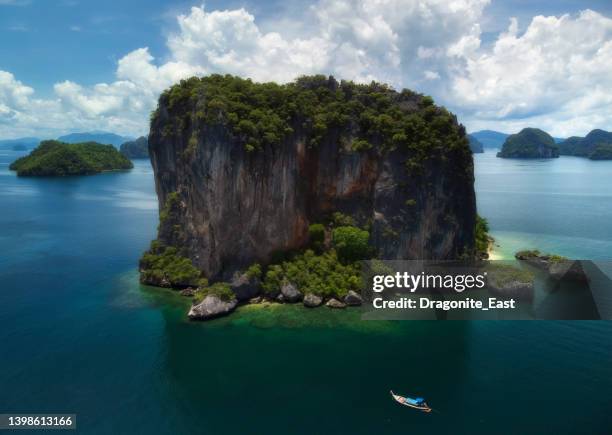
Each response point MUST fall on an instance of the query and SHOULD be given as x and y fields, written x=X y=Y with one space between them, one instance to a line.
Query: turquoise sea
x=79 y=335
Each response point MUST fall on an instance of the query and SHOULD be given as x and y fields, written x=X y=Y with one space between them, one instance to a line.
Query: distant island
x=529 y=143
x=101 y=137
x=54 y=158
x=136 y=149
x=597 y=145
x=19 y=144
x=475 y=145
x=495 y=139
x=489 y=138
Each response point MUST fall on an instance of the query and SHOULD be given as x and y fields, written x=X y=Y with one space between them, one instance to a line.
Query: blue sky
x=495 y=63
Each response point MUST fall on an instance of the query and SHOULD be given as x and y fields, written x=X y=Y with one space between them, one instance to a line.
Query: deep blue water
x=79 y=335
x=559 y=205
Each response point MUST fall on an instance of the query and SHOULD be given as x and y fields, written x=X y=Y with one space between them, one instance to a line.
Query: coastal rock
x=290 y=293
x=239 y=202
x=353 y=298
x=189 y=292
x=245 y=287
x=335 y=303
x=311 y=300
x=256 y=300
x=154 y=280
x=559 y=268
x=210 y=307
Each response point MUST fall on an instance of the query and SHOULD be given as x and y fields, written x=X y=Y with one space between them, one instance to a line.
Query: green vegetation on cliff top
x=316 y=108
x=529 y=143
x=53 y=158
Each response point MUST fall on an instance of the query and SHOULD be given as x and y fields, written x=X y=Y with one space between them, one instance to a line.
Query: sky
x=75 y=65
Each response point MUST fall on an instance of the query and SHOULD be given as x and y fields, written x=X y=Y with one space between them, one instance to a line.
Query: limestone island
x=529 y=143
x=273 y=192
x=597 y=145
x=54 y=158
x=136 y=149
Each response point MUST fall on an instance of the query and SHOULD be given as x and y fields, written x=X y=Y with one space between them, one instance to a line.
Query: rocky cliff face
x=225 y=205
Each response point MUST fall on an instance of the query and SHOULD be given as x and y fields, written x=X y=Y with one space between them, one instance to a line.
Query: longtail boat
x=418 y=403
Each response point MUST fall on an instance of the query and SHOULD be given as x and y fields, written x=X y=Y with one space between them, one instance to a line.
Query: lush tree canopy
x=529 y=143
x=316 y=107
x=58 y=158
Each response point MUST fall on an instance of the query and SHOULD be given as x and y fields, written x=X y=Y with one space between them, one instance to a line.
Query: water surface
x=79 y=335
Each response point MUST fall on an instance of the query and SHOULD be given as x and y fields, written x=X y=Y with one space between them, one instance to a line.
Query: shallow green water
x=80 y=335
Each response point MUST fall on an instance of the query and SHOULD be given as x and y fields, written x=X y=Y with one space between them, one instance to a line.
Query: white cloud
x=554 y=75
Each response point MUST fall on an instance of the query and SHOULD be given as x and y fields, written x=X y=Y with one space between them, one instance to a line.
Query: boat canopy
x=417 y=401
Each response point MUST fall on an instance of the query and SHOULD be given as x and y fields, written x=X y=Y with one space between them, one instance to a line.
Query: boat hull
x=402 y=401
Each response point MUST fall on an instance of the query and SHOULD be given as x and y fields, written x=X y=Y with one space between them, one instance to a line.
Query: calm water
x=79 y=335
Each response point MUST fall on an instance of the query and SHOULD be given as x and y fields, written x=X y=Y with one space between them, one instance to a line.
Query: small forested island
x=273 y=192
x=136 y=149
x=54 y=158
x=529 y=143
x=597 y=145
x=475 y=145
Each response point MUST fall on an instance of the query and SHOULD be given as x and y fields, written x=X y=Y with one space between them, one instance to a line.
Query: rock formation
x=242 y=170
x=529 y=143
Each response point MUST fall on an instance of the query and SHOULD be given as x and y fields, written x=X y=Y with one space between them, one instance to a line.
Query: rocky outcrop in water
x=242 y=170
x=290 y=293
x=529 y=143
x=335 y=303
x=211 y=307
x=311 y=300
x=557 y=267
x=353 y=298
